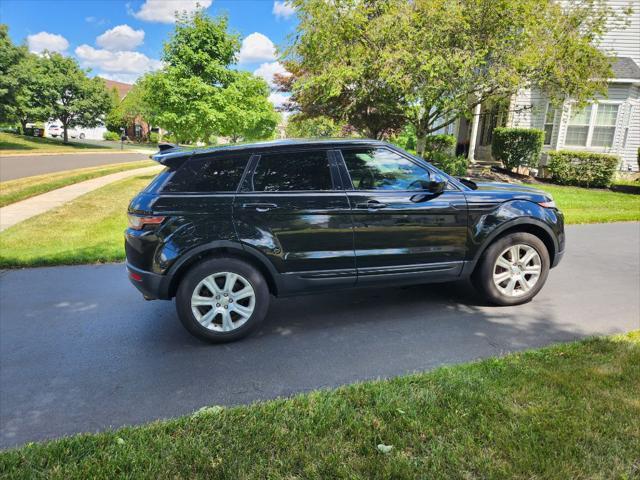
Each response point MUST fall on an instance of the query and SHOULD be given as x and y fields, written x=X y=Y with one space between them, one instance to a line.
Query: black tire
x=202 y=270
x=81 y=136
x=482 y=277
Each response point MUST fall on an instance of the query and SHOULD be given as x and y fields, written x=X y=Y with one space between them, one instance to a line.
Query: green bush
x=441 y=143
x=584 y=169
x=108 y=135
x=517 y=147
x=454 y=166
x=153 y=137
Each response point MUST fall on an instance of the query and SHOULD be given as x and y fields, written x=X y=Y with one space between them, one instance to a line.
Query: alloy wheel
x=517 y=270
x=223 y=301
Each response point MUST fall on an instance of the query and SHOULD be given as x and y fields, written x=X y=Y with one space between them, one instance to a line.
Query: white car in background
x=57 y=131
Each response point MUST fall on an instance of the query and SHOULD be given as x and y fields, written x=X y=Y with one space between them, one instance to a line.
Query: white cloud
x=256 y=48
x=119 y=38
x=268 y=70
x=164 y=11
x=42 y=41
x=278 y=98
x=283 y=9
x=117 y=64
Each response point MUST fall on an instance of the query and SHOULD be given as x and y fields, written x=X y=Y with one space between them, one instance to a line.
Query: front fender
x=485 y=227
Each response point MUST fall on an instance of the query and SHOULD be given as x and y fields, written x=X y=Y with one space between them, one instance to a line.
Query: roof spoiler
x=170 y=155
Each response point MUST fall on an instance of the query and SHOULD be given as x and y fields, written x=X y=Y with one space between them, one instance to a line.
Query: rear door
x=398 y=228
x=291 y=209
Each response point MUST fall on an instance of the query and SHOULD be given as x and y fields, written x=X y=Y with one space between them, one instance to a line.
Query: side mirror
x=437 y=185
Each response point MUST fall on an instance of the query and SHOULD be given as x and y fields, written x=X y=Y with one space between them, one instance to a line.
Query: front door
x=291 y=210
x=400 y=230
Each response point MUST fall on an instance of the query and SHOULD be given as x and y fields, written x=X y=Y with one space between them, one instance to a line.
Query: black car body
x=313 y=215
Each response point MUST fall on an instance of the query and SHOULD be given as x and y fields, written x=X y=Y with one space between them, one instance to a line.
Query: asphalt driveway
x=19 y=166
x=80 y=351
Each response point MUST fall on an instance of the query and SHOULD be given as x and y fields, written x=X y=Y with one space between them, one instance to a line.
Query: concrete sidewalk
x=20 y=211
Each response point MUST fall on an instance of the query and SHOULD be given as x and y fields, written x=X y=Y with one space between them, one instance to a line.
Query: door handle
x=260 y=207
x=371 y=205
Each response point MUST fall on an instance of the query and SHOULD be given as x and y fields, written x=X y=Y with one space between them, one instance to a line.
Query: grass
x=15 y=190
x=567 y=411
x=11 y=143
x=87 y=230
x=584 y=205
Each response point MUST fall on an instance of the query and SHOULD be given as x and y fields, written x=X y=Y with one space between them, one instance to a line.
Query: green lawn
x=565 y=412
x=11 y=144
x=89 y=229
x=15 y=190
x=584 y=205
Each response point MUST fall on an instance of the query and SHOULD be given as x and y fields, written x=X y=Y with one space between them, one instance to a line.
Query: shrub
x=108 y=135
x=153 y=137
x=454 y=166
x=585 y=169
x=517 y=147
x=440 y=143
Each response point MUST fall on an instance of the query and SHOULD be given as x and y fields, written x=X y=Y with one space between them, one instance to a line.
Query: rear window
x=291 y=171
x=214 y=174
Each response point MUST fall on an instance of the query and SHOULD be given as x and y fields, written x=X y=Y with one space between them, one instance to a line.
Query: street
x=81 y=351
x=19 y=166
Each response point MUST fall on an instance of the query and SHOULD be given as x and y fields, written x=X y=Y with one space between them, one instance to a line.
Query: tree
x=197 y=94
x=23 y=84
x=427 y=62
x=126 y=111
x=76 y=100
x=299 y=126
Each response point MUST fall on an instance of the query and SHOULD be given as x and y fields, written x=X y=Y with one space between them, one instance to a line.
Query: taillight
x=138 y=222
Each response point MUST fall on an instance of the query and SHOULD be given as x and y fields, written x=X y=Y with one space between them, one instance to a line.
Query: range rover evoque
x=223 y=229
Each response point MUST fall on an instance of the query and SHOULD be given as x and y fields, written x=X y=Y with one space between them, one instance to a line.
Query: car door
x=400 y=229
x=291 y=209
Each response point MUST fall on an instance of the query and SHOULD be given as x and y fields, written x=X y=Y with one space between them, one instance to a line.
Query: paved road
x=18 y=166
x=81 y=351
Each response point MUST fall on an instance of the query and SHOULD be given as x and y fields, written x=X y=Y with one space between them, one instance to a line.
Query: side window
x=280 y=172
x=382 y=169
x=213 y=174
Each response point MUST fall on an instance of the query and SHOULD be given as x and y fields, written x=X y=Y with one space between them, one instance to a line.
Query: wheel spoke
x=230 y=282
x=510 y=286
x=501 y=277
x=244 y=311
x=529 y=256
x=515 y=253
x=503 y=262
x=532 y=270
x=211 y=285
x=198 y=301
x=227 y=323
x=244 y=293
x=524 y=284
x=206 y=319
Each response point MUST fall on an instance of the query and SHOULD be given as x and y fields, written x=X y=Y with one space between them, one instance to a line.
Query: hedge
x=441 y=143
x=517 y=147
x=455 y=166
x=585 y=169
x=108 y=135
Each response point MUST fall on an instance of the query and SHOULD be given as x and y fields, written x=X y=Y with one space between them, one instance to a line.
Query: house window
x=578 y=129
x=548 y=124
x=593 y=126
x=605 y=126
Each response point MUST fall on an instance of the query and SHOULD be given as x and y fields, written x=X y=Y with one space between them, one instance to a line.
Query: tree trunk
x=66 y=135
x=23 y=126
x=421 y=143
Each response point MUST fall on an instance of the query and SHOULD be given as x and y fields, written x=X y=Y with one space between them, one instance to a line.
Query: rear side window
x=280 y=172
x=213 y=174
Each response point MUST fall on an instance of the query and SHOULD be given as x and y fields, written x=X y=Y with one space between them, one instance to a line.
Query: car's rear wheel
x=222 y=299
x=513 y=269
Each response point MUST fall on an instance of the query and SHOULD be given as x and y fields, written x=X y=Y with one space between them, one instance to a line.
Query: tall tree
x=76 y=100
x=427 y=62
x=197 y=94
x=131 y=108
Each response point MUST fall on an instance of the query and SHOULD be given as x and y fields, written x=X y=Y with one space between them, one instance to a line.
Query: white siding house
x=611 y=124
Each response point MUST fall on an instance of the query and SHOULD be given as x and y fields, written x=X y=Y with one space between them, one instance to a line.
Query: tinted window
x=382 y=169
x=292 y=171
x=217 y=174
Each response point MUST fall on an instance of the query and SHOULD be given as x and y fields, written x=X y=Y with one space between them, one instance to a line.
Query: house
x=611 y=124
x=138 y=129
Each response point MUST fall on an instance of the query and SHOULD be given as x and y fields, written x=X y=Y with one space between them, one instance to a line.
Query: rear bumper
x=152 y=285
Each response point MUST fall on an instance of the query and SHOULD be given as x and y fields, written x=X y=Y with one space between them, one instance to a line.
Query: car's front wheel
x=222 y=299
x=513 y=269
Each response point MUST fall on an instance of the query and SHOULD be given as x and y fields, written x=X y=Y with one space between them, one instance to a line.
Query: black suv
x=223 y=229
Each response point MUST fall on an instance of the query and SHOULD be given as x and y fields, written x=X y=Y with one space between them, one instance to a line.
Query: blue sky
x=121 y=40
